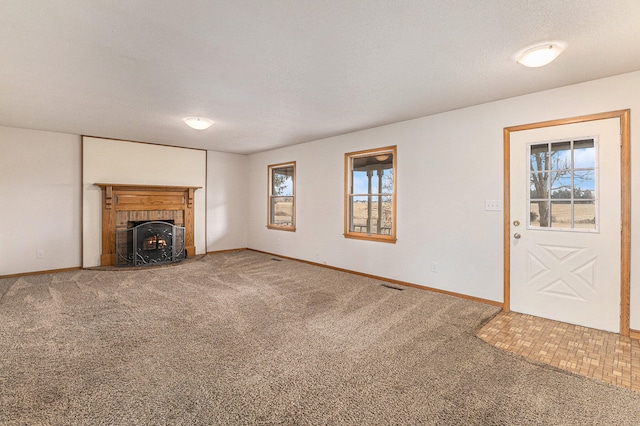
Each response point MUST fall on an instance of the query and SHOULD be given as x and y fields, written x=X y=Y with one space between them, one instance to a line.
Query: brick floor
x=601 y=355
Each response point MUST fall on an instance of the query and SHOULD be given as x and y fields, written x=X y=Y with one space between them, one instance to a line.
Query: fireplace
x=162 y=218
x=150 y=243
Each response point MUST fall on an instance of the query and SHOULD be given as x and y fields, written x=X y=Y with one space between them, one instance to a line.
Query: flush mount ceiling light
x=540 y=54
x=198 y=123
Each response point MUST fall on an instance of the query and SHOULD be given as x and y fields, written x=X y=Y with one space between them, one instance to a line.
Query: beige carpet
x=239 y=338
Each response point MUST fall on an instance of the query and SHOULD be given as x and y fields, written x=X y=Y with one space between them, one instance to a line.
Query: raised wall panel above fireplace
x=122 y=204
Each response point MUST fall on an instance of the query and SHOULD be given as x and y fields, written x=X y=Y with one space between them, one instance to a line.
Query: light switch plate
x=493 y=205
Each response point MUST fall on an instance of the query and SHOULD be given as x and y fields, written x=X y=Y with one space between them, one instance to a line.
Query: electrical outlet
x=493 y=205
x=39 y=254
x=434 y=267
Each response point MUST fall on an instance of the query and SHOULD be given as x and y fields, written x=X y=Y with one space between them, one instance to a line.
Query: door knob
x=516 y=236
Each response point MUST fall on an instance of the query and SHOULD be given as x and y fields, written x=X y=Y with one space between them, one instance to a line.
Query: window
x=562 y=185
x=370 y=195
x=282 y=193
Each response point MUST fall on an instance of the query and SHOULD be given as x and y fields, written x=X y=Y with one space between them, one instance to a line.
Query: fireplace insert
x=149 y=243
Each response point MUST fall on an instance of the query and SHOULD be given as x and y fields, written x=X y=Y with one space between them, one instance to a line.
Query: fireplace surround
x=123 y=205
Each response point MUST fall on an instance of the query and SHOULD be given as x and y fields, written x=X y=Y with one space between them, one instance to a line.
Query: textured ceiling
x=280 y=72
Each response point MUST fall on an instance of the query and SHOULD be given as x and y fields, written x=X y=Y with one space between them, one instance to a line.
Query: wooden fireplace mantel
x=124 y=203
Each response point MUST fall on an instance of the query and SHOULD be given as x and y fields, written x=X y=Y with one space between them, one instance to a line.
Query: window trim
x=270 y=168
x=348 y=162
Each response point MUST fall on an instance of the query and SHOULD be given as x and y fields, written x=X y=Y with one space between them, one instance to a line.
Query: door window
x=563 y=186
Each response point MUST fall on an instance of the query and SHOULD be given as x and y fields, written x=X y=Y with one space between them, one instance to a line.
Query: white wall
x=114 y=161
x=227 y=184
x=448 y=165
x=39 y=200
x=41 y=197
x=447 y=224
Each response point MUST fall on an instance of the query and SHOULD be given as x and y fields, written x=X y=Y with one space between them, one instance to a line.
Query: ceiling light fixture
x=540 y=54
x=198 y=123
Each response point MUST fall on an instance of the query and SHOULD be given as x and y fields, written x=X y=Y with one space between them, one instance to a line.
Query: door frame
x=625 y=183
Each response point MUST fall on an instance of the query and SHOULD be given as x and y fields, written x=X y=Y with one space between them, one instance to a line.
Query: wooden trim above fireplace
x=122 y=203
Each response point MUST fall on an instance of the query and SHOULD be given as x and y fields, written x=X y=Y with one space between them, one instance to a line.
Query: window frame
x=348 y=175
x=572 y=200
x=270 y=169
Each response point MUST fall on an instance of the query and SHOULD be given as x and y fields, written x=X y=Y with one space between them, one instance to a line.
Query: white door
x=566 y=223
